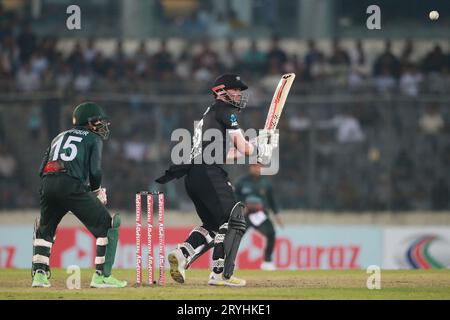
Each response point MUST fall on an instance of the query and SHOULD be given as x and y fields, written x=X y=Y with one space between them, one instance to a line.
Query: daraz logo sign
x=290 y=255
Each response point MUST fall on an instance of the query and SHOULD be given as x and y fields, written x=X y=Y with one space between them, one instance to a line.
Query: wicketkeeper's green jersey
x=80 y=152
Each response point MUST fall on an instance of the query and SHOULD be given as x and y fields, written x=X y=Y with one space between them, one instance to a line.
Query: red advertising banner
x=77 y=246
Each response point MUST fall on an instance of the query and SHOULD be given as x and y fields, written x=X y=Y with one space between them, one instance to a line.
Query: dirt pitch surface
x=261 y=285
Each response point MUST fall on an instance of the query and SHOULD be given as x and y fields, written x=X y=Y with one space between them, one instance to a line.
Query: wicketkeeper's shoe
x=268 y=266
x=100 y=281
x=217 y=279
x=40 y=279
x=177 y=262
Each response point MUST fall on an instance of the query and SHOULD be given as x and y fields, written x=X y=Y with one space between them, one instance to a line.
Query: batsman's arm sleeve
x=271 y=200
x=95 y=165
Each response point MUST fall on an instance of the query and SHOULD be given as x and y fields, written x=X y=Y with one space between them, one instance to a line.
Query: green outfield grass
x=326 y=284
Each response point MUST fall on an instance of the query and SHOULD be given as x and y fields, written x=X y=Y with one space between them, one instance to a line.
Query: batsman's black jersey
x=207 y=183
x=80 y=153
x=221 y=117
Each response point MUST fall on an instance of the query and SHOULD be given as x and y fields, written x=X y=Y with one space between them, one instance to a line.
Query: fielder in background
x=71 y=161
x=255 y=191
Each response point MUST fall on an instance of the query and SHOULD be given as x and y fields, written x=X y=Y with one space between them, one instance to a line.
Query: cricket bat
x=278 y=101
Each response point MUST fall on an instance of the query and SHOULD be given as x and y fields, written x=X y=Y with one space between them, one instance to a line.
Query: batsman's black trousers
x=212 y=194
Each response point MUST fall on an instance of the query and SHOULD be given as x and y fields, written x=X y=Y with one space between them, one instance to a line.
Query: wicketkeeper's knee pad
x=110 y=242
x=42 y=246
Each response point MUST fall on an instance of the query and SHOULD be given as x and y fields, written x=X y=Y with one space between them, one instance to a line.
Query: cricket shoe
x=217 y=279
x=177 y=262
x=100 y=281
x=268 y=266
x=40 y=279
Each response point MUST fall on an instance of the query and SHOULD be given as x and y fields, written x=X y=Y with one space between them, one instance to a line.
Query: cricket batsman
x=208 y=186
x=255 y=191
x=71 y=177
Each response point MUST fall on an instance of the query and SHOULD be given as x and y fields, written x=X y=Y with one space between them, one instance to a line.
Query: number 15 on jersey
x=66 y=155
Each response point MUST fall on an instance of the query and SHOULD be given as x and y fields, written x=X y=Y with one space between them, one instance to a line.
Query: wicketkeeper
x=71 y=181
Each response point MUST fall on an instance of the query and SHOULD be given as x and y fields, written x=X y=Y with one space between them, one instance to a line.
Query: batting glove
x=265 y=142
